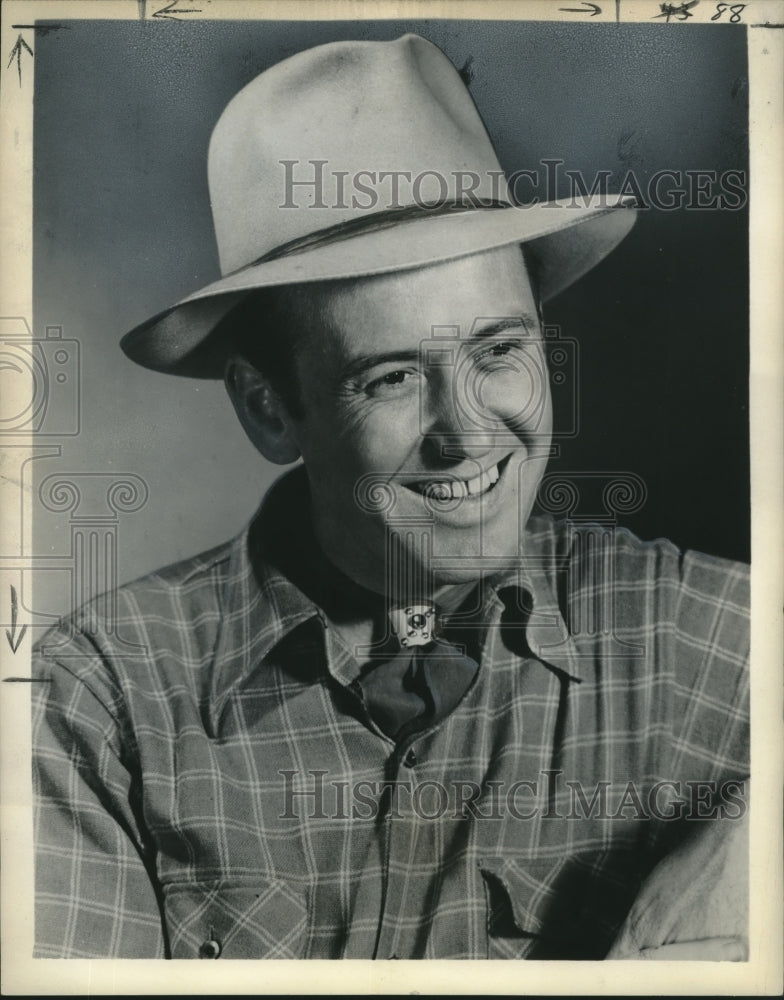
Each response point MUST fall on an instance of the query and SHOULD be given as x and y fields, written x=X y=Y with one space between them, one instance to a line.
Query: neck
x=354 y=603
x=359 y=612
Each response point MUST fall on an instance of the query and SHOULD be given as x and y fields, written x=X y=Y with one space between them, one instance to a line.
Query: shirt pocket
x=566 y=908
x=263 y=919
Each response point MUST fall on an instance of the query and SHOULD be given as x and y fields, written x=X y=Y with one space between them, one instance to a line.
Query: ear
x=261 y=411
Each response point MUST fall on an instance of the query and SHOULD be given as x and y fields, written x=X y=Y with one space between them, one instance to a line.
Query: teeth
x=458 y=489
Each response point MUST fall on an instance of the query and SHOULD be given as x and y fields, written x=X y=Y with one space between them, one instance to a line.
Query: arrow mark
x=17 y=51
x=584 y=9
x=15 y=641
x=171 y=10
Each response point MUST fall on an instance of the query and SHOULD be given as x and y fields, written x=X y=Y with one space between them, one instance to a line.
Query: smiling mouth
x=460 y=489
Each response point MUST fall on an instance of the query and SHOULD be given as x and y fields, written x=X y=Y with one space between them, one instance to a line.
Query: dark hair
x=266 y=329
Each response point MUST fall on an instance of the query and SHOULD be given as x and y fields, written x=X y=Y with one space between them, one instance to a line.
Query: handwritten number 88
x=735 y=9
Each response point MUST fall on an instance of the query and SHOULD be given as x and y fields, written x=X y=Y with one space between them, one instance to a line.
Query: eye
x=496 y=350
x=392 y=382
x=392 y=378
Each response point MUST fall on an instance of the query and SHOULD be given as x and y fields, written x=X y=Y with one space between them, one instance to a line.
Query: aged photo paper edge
x=761 y=975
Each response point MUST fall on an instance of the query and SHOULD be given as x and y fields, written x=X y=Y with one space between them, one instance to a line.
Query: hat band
x=372 y=223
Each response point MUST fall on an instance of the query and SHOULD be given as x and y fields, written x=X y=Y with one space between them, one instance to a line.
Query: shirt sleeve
x=95 y=886
x=711 y=689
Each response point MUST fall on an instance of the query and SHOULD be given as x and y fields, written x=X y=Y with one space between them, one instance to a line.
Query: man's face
x=426 y=412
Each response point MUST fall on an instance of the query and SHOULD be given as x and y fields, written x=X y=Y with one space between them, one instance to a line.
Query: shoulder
x=172 y=612
x=138 y=644
x=580 y=546
x=651 y=587
x=193 y=583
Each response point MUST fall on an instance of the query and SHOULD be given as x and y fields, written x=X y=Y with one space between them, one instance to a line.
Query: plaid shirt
x=209 y=782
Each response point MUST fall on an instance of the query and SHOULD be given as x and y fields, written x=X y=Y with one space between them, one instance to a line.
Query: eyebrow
x=525 y=321
x=365 y=362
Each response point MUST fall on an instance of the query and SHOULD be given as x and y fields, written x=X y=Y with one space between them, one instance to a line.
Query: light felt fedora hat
x=360 y=158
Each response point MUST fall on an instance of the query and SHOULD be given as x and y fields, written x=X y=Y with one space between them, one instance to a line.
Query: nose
x=450 y=428
x=476 y=403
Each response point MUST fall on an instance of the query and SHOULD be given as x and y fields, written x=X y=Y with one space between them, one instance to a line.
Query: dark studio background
x=122 y=228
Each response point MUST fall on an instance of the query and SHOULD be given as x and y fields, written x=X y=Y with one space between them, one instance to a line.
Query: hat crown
x=329 y=165
x=337 y=132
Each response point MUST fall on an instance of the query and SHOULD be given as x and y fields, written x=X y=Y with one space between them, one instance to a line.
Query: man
x=375 y=725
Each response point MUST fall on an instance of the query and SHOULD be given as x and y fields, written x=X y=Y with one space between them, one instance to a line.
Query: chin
x=469 y=555
x=454 y=577
x=472 y=571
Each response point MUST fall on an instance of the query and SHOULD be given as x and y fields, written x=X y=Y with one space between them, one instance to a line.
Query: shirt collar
x=531 y=589
x=260 y=605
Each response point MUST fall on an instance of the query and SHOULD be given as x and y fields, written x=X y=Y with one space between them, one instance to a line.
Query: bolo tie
x=423 y=681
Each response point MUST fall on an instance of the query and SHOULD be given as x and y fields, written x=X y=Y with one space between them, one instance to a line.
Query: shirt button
x=411 y=758
x=210 y=949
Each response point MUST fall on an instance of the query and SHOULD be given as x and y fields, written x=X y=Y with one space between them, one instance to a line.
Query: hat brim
x=567 y=240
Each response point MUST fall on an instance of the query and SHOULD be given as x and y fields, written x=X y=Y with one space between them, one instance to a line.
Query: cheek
x=532 y=397
x=340 y=451
x=516 y=393
x=383 y=437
